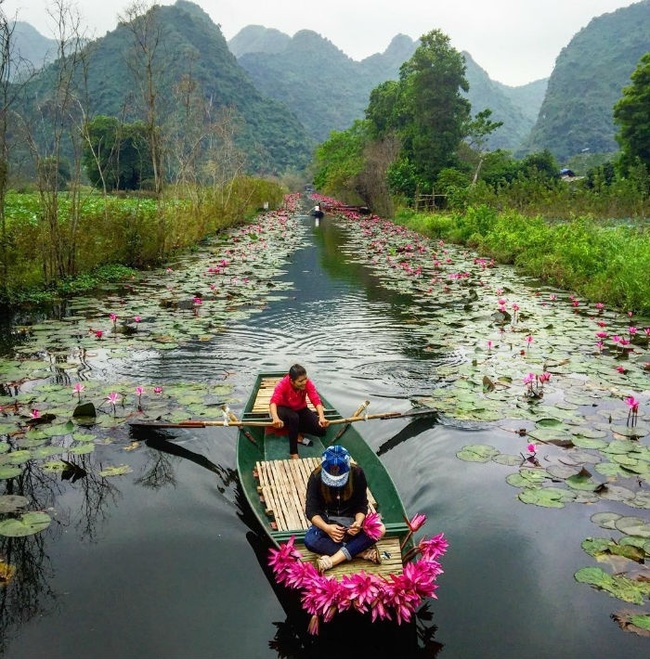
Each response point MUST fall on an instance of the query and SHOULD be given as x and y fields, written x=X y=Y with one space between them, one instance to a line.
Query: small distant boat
x=275 y=489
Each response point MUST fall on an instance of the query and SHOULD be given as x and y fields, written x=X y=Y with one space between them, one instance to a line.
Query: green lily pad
x=119 y=470
x=633 y=526
x=9 y=471
x=617 y=586
x=10 y=503
x=637 y=623
x=477 y=453
x=508 y=460
x=546 y=497
x=27 y=524
x=606 y=520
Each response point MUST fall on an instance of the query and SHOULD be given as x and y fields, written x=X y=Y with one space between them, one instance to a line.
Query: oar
x=357 y=412
x=233 y=419
x=190 y=423
x=384 y=415
x=197 y=424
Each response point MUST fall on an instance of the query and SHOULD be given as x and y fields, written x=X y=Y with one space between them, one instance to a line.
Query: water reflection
x=175 y=531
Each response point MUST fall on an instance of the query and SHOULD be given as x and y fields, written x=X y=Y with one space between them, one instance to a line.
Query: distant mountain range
x=293 y=91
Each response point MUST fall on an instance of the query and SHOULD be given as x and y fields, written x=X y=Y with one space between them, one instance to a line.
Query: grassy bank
x=602 y=261
x=72 y=245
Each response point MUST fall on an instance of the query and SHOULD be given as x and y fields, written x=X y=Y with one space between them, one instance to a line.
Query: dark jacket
x=339 y=501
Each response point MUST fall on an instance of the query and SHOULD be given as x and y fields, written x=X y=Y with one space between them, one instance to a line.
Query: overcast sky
x=515 y=41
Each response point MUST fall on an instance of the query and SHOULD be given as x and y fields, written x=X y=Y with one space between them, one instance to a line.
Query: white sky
x=515 y=41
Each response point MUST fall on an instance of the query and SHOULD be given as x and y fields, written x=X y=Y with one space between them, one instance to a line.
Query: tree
x=432 y=82
x=141 y=18
x=116 y=155
x=477 y=132
x=632 y=114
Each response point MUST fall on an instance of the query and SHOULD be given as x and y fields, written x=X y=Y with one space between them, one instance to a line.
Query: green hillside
x=588 y=78
x=193 y=48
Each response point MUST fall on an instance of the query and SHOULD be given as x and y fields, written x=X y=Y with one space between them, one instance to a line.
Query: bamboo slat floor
x=283 y=488
x=389 y=550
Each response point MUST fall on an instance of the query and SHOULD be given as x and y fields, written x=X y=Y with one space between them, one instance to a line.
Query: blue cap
x=335 y=468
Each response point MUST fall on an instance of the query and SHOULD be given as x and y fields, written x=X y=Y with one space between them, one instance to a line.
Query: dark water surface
x=162 y=562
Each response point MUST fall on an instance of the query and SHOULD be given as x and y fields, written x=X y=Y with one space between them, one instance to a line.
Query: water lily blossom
x=113 y=398
x=78 y=389
x=633 y=412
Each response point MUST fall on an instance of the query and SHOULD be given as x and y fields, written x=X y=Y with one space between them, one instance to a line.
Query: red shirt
x=285 y=395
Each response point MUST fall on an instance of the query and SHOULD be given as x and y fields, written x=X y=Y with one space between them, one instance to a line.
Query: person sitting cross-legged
x=336 y=506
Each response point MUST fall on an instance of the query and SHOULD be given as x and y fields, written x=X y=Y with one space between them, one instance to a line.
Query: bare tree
x=14 y=73
x=58 y=134
x=141 y=18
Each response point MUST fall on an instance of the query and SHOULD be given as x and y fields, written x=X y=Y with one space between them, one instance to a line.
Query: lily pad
x=617 y=586
x=546 y=497
x=477 y=453
x=606 y=520
x=633 y=526
x=10 y=503
x=118 y=470
x=27 y=524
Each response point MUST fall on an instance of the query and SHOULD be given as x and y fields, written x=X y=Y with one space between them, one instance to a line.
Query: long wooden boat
x=275 y=488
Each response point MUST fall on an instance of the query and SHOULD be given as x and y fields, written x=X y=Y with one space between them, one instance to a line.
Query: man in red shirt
x=288 y=407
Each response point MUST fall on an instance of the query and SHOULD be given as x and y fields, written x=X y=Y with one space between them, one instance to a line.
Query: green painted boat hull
x=254 y=445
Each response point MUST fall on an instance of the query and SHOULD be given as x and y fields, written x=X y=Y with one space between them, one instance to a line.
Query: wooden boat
x=275 y=488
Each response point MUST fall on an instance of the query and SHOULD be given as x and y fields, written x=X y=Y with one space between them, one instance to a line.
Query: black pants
x=300 y=421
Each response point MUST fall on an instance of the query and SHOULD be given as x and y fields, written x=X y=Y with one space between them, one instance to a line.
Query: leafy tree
x=632 y=114
x=339 y=160
x=116 y=155
x=478 y=130
x=432 y=82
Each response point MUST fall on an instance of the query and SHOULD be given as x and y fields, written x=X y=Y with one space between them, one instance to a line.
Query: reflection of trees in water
x=28 y=593
x=97 y=493
x=161 y=470
x=25 y=596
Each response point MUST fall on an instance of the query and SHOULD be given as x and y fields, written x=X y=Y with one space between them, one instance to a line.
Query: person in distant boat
x=288 y=407
x=336 y=505
x=317 y=211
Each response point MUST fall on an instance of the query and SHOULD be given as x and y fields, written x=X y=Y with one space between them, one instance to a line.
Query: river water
x=162 y=562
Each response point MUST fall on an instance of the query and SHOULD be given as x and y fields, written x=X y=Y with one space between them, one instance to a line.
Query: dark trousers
x=300 y=421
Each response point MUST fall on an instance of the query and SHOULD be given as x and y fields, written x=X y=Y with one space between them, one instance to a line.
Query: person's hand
x=354 y=528
x=336 y=532
x=278 y=423
x=323 y=423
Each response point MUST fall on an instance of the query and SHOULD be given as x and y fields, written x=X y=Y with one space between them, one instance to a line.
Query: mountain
x=258 y=39
x=32 y=50
x=588 y=79
x=324 y=87
x=309 y=73
x=517 y=111
x=192 y=50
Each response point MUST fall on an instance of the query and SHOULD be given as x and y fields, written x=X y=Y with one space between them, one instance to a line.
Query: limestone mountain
x=328 y=91
x=193 y=50
x=31 y=49
x=588 y=79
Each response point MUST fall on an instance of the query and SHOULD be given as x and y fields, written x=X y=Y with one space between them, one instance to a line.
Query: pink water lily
x=372 y=526
x=137 y=319
x=78 y=389
x=531 y=448
x=35 y=414
x=633 y=412
x=383 y=598
x=416 y=522
x=113 y=398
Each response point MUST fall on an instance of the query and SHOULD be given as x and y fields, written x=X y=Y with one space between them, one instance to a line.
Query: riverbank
x=602 y=261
